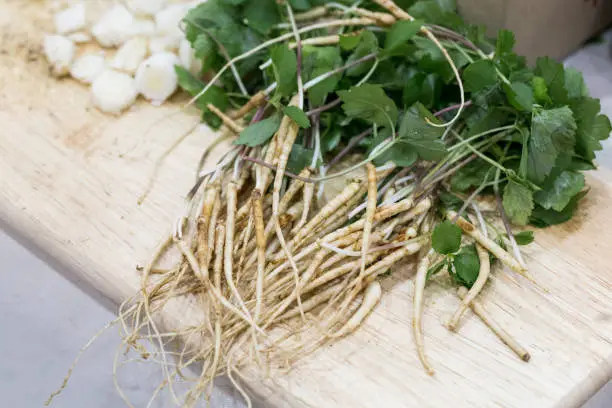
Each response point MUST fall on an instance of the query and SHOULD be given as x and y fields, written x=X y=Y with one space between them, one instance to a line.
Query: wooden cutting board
x=69 y=182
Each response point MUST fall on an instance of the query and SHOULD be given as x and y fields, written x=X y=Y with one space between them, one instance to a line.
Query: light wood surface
x=69 y=182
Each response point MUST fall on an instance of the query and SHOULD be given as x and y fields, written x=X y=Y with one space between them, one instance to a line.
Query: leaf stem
x=479 y=135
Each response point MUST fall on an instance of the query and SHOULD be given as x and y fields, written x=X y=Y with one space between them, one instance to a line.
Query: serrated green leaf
x=370 y=103
x=552 y=132
x=558 y=192
x=574 y=83
x=260 y=132
x=592 y=127
x=553 y=74
x=518 y=202
x=542 y=217
x=446 y=238
x=424 y=138
x=400 y=33
x=520 y=96
x=505 y=43
x=284 y=65
x=466 y=266
x=298 y=116
x=479 y=75
x=524 y=237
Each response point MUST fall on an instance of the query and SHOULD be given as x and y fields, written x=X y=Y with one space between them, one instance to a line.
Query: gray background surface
x=45 y=320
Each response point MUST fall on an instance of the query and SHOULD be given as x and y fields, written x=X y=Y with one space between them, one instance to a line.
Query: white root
x=369 y=216
x=483 y=276
x=503 y=335
x=371 y=298
x=228 y=264
x=489 y=244
x=260 y=238
x=417 y=325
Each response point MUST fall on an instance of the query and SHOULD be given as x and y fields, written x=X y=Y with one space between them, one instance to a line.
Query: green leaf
x=505 y=42
x=400 y=33
x=349 y=42
x=520 y=96
x=370 y=103
x=518 y=202
x=368 y=43
x=299 y=5
x=446 y=238
x=194 y=86
x=261 y=15
x=554 y=77
x=450 y=201
x=540 y=90
x=592 y=127
x=552 y=132
x=471 y=175
x=542 y=217
x=299 y=158
x=321 y=60
x=574 y=83
x=284 y=65
x=205 y=50
x=466 y=266
x=559 y=191
x=424 y=138
x=479 y=75
x=260 y=132
x=298 y=116
x=402 y=154
x=524 y=237
x=436 y=12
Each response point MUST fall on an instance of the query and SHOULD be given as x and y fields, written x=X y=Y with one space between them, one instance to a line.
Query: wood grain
x=69 y=182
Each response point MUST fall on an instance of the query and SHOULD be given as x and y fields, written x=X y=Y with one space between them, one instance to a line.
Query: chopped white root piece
x=80 y=37
x=87 y=68
x=169 y=19
x=156 y=78
x=188 y=59
x=114 y=28
x=113 y=91
x=130 y=55
x=70 y=20
x=143 y=28
x=163 y=44
x=146 y=7
x=59 y=51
